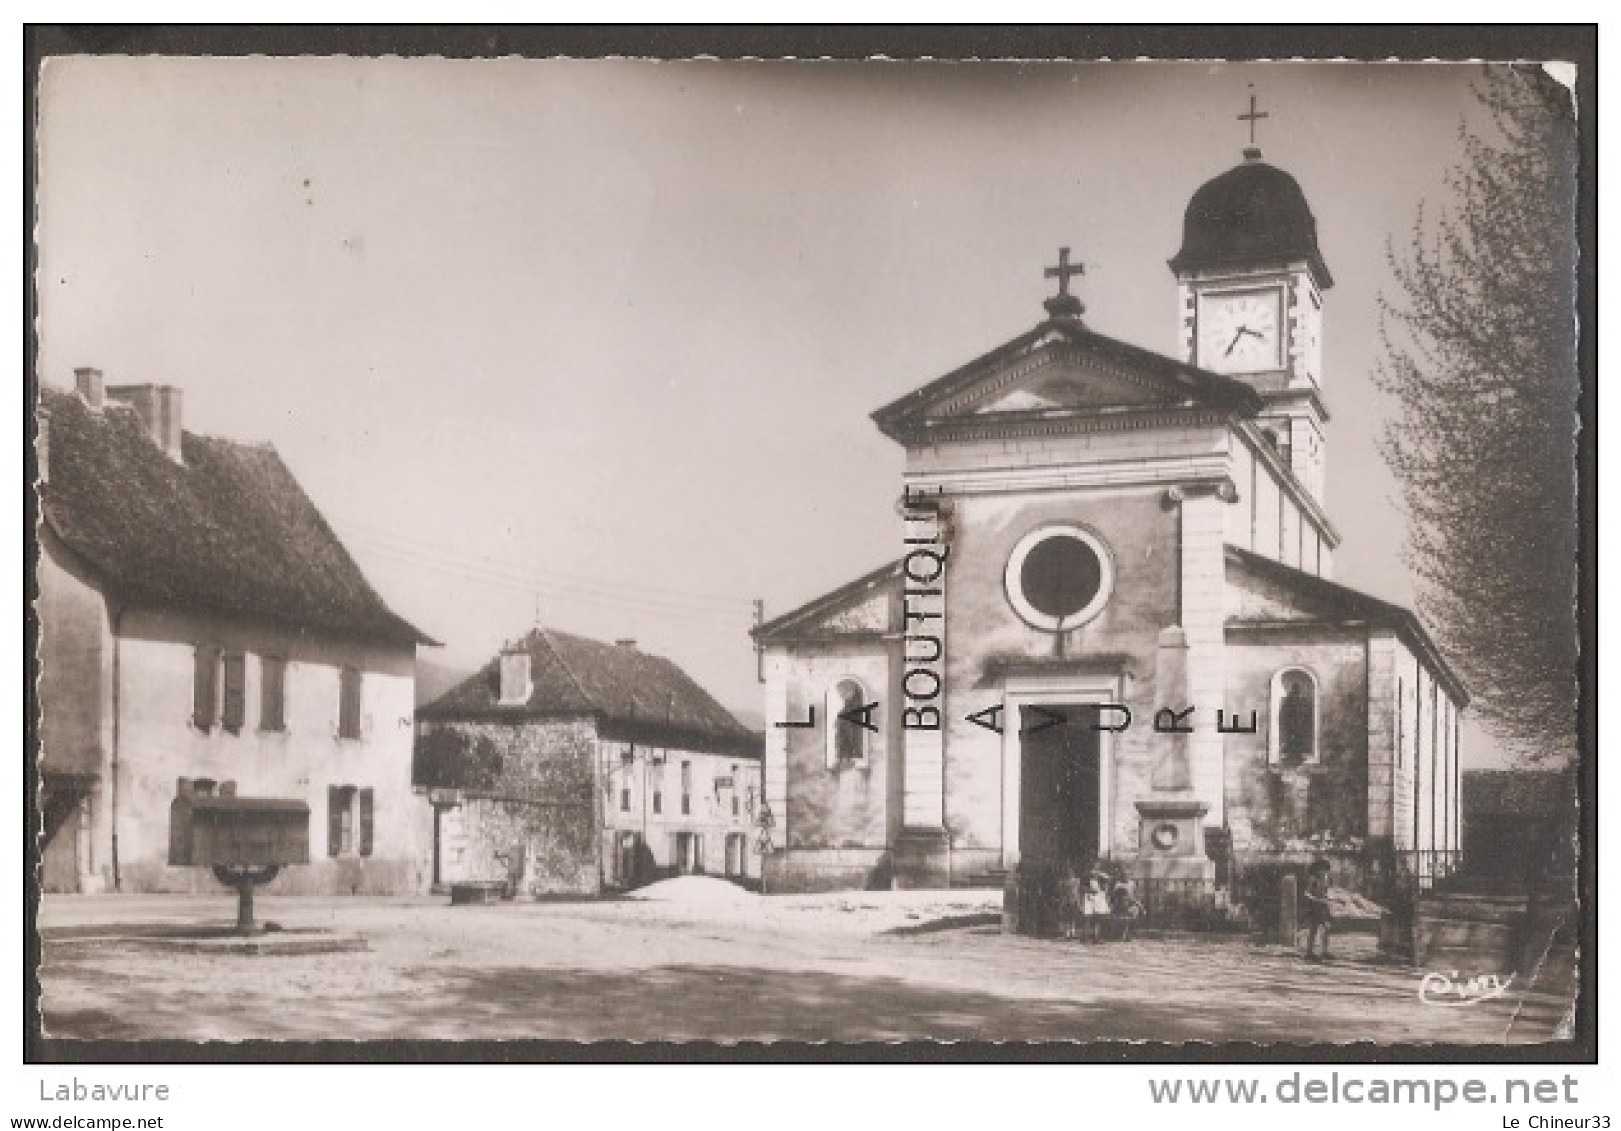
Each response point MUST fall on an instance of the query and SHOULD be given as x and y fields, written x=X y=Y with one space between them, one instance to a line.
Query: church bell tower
x=1250 y=281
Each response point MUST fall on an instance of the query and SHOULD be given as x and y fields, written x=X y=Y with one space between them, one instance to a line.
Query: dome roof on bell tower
x=1253 y=213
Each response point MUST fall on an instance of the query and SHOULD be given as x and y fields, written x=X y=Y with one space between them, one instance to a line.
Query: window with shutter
x=366 y=823
x=236 y=690
x=204 y=686
x=337 y=802
x=272 y=693
x=349 y=703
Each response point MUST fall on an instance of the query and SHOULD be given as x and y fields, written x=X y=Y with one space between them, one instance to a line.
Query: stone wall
x=75 y=657
x=1268 y=803
x=982 y=629
x=842 y=806
x=527 y=807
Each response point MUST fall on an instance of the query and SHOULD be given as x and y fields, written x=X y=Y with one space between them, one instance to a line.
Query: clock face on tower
x=1241 y=331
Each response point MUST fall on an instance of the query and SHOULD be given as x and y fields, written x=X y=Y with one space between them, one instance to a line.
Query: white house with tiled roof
x=199 y=619
x=569 y=765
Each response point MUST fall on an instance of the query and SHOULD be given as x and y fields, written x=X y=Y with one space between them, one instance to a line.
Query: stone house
x=571 y=766
x=199 y=619
x=1113 y=630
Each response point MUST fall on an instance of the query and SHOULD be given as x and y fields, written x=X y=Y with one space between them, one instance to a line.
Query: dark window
x=686 y=804
x=624 y=800
x=849 y=737
x=658 y=801
x=205 y=686
x=366 y=822
x=686 y=787
x=1297 y=722
x=1060 y=576
x=340 y=819
x=349 y=703
x=736 y=805
x=272 y=693
x=235 y=707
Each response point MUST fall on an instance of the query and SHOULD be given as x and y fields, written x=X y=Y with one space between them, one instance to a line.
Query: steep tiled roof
x=635 y=696
x=227 y=530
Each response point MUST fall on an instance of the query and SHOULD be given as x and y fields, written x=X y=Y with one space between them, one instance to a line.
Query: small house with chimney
x=572 y=766
x=199 y=620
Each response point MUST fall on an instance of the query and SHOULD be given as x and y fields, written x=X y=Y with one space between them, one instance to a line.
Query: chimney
x=159 y=409
x=515 y=684
x=88 y=382
x=626 y=642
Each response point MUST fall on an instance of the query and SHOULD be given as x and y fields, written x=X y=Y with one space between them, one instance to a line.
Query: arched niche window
x=847 y=739
x=1293 y=736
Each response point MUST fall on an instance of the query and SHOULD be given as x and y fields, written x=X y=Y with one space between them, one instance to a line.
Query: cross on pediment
x=1063 y=304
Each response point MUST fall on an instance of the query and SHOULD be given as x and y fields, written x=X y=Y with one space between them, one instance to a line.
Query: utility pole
x=759 y=651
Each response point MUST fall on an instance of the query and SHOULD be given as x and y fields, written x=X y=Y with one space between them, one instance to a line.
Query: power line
x=428 y=548
x=495 y=583
x=518 y=584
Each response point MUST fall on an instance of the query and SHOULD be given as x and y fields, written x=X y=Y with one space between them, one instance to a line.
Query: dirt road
x=853 y=967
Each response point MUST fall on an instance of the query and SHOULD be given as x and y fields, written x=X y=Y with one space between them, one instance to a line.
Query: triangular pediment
x=1063 y=369
x=1065 y=381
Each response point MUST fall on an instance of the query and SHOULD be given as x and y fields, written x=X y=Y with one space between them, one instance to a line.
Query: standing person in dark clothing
x=1314 y=908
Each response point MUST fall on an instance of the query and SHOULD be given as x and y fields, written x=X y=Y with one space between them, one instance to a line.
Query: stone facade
x=554 y=808
x=513 y=801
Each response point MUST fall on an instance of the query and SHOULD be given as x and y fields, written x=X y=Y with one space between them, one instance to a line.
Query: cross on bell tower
x=1063 y=304
x=1252 y=152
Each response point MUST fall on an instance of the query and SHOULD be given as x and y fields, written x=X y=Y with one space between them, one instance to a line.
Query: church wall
x=834 y=808
x=1238 y=526
x=1268 y=500
x=1406 y=692
x=1382 y=772
x=1290 y=535
x=982 y=627
x=1270 y=806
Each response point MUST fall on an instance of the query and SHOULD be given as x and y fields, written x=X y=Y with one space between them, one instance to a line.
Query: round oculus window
x=1059 y=577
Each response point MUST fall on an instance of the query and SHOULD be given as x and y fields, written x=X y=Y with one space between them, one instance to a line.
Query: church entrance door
x=1059 y=785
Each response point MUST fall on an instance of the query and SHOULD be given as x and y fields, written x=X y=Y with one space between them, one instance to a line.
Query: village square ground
x=850 y=966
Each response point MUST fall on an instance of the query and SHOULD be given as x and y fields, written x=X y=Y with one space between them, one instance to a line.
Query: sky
x=596 y=342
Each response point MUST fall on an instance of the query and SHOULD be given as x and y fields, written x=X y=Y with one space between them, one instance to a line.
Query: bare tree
x=1480 y=350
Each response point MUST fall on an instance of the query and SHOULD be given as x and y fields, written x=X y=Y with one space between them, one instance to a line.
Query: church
x=1109 y=629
